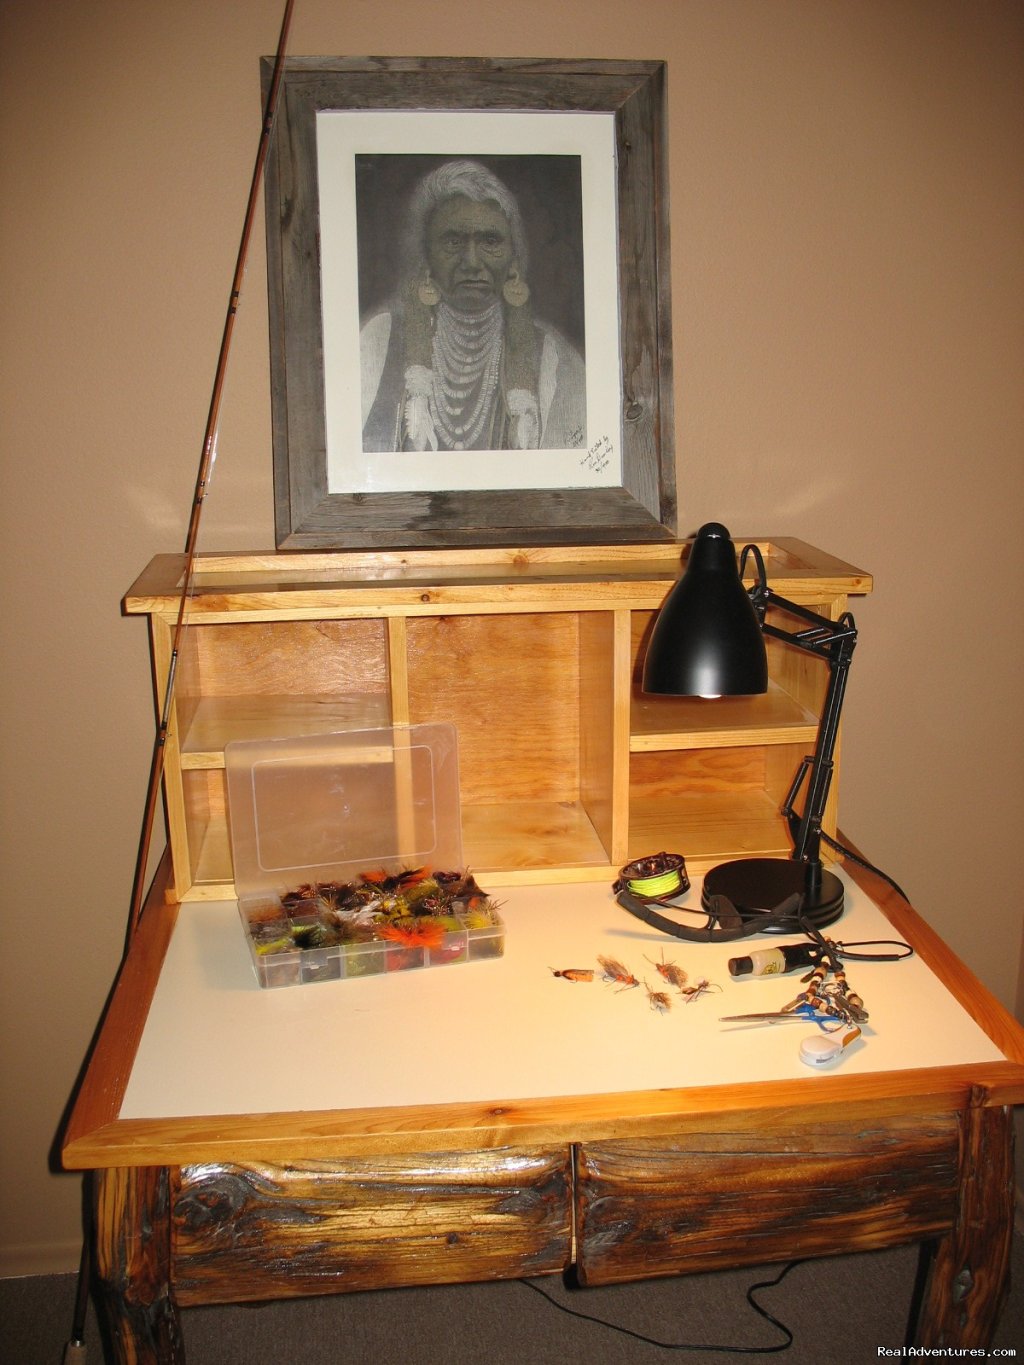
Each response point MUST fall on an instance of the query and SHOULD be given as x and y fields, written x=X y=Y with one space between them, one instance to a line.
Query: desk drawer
x=765 y=1191
x=252 y=1231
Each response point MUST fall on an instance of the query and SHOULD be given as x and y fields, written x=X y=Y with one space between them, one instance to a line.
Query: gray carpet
x=840 y=1311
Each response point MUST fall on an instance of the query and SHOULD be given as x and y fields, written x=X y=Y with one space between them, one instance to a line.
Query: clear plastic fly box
x=347 y=853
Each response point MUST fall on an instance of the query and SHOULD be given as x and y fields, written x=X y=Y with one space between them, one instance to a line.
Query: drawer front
x=253 y=1231
x=699 y=1201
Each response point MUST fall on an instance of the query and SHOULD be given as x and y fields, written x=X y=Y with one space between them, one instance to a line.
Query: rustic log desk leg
x=133 y=1266
x=969 y=1272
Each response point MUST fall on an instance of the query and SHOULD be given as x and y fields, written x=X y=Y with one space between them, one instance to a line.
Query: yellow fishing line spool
x=657 y=877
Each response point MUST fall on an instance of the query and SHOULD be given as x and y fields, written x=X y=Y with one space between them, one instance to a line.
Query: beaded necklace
x=466 y=352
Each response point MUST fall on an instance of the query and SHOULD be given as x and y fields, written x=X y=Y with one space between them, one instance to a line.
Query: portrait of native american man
x=471 y=334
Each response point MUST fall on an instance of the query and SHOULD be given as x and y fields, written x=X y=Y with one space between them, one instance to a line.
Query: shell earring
x=515 y=290
x=428 y=292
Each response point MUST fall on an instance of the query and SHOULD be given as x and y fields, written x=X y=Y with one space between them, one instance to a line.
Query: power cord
x=687 y=1346
x=863 y=862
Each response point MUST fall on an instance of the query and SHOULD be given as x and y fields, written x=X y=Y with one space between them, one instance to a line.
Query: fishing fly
x=659 y=1000
x=698 y=989
x=574 y=973
x=670 y=972
x=617 y=974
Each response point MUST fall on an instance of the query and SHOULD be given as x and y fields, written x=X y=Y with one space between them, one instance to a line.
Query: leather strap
x=723 y=922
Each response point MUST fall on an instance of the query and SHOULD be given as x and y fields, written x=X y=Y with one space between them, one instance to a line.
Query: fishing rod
x=206 y=462
x=75 y=1350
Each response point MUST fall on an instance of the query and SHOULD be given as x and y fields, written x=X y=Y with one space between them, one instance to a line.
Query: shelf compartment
x=510 y=685
x=712 y=804
x=216 y=721
x=531 y=839
x=533 y=700
x=671 y=723
x=709 y=828
x=212 y=877
x=240 y=680
x=199 y=837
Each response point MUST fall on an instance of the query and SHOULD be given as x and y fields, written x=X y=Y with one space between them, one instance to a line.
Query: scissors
x=802 y=1013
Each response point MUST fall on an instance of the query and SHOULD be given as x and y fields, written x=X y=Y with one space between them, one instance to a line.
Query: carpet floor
x=847 y=1310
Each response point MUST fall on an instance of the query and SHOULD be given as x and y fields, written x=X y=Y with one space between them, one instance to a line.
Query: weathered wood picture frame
x=628 y=317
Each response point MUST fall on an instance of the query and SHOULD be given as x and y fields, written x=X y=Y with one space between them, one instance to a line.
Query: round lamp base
x=759 y=885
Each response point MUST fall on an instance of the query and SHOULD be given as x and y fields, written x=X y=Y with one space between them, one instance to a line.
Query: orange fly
x=574 y=973
x=411 y=933
x=393 y=881
x=615 y=972
x=668 y=971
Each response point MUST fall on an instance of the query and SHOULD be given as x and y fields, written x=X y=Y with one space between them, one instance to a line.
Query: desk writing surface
x=507 y=1028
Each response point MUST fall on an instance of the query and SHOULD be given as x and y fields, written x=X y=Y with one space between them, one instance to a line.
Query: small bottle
x=775 y=961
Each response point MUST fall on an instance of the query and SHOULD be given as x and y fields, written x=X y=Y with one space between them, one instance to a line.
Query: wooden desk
x=492 y=1121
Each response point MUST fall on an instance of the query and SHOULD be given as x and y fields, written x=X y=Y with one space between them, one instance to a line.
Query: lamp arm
x=833 y=641
x=806 y=829
x=824 y=638
x=825 y=635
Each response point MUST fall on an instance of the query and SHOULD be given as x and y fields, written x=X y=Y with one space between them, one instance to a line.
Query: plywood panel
x=280 y=657
x=510 y=685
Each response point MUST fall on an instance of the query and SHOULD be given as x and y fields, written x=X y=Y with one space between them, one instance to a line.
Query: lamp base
x=757 y=885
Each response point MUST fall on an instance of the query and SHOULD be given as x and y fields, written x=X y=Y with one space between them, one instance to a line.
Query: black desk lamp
x=708 y=641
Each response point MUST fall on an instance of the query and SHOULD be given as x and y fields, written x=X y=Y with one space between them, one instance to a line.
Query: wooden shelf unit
x=567 y=770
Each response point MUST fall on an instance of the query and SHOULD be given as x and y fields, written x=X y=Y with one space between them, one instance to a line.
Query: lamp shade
x=707 y=640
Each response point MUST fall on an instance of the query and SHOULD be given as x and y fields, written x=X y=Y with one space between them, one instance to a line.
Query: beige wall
x=847 y=213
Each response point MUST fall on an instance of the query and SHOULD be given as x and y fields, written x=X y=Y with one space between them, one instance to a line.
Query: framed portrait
x=470 y=332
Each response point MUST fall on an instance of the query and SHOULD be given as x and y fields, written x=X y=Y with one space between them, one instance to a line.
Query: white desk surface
x=507 y=1029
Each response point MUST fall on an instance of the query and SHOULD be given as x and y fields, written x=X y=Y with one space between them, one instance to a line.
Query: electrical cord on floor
x=692 y=1346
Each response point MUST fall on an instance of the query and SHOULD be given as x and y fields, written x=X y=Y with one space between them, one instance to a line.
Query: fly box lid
x=322 y=808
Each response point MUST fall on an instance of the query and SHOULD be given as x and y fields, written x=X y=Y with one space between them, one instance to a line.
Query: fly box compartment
x=347 y=855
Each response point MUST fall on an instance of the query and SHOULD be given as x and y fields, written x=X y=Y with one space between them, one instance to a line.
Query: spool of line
x=667 y=884
x=657 y=877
